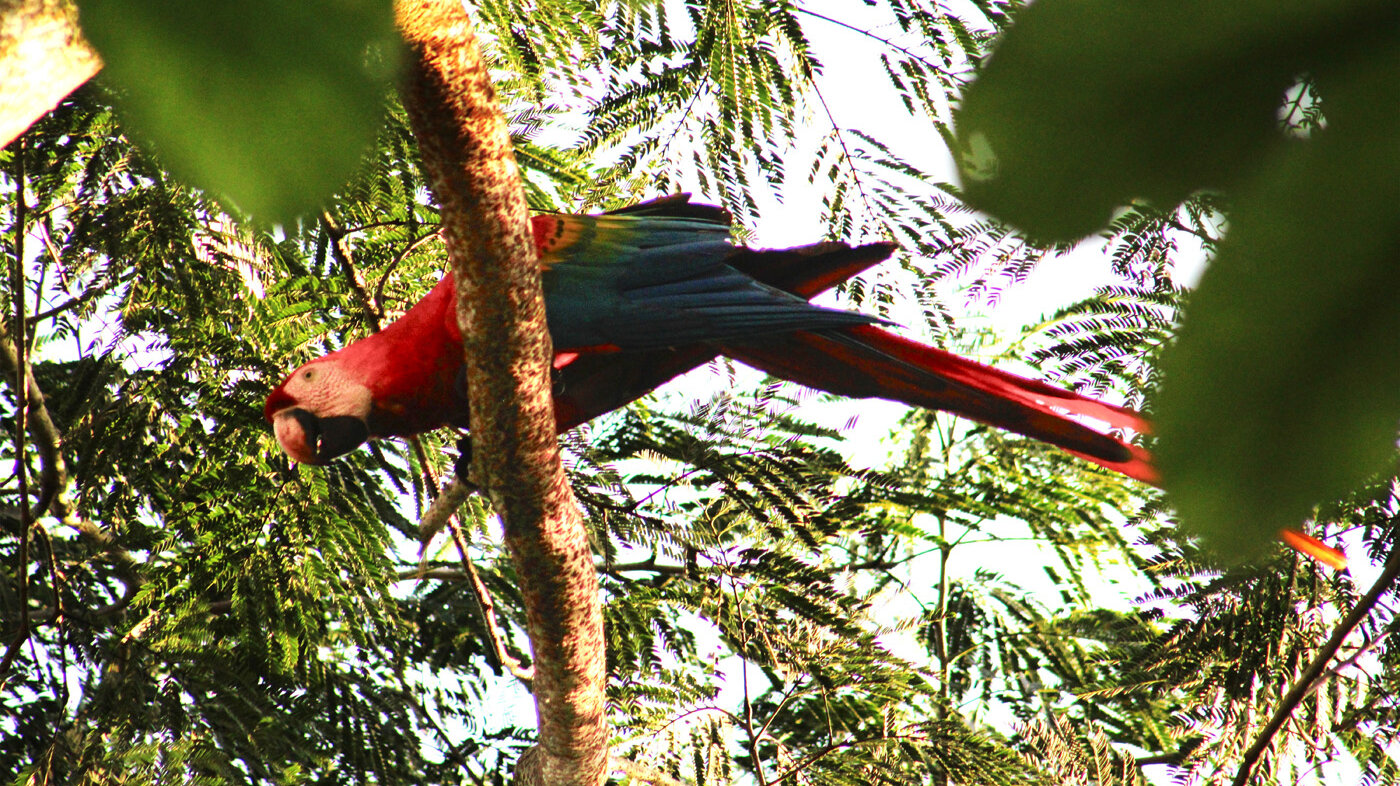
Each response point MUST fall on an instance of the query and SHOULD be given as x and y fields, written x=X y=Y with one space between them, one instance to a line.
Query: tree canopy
x=180 y=603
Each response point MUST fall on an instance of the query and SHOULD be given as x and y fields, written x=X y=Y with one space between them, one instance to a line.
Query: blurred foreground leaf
x=1283 y=388
x=269 y=103
x=1087 y=105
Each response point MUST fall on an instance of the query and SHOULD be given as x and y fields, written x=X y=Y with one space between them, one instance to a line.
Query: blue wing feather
x=639 y=282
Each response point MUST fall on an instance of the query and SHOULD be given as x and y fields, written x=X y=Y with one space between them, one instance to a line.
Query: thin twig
x=426 y=476
x=393 y=263
x=341 y=252
x=71 y=304
x=1199 y=234
x=881 y=39
x=487 y=608
x=827 y=750
x=397 y=223
x=450 y=574
x=744 y=640
x=788 y=695
x=1361 y=652
x=21 y=377
x=1311 y=676
x=46 y=616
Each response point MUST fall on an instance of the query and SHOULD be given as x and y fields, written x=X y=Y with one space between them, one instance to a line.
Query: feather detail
x=867 y=362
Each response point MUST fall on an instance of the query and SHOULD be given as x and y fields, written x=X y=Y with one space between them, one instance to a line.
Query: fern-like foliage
x=973 y=607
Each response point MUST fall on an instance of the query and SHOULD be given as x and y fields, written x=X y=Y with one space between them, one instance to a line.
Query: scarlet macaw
x=646 y=293
x=643 y=294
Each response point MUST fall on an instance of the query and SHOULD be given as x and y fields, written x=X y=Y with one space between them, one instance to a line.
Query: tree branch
x=500 y=309
x=53 y=472
x=15 y=365
x=1312 y=675
x=21 y=379
x=641 y=772
x=437 y=515
x=487 y=608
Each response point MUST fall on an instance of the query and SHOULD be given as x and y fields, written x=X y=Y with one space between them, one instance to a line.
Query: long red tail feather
x=867 y=361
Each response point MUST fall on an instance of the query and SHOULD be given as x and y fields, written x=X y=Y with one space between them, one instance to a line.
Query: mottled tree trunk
x=466 y=148
x=43 y=58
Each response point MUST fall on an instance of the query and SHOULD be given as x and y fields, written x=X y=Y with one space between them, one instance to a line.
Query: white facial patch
x=324 y=390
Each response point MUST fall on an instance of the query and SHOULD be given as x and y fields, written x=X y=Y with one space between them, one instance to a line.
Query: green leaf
x=1088 y=105
x=269 y=103
x=1283 y=388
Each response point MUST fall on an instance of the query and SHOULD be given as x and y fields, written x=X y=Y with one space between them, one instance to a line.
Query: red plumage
x=599 y=279
x=640 y=296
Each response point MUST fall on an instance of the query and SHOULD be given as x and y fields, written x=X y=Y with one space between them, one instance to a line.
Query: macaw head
x=320 y=411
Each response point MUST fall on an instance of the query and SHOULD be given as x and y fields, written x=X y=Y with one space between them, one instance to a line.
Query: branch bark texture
x=466 y=148
x=43 y=57
x=48 y=441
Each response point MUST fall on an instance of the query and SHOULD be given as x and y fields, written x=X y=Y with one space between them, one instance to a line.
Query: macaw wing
x=591 y=385
x=676 y=205
x=808 y=271
x=637 y=282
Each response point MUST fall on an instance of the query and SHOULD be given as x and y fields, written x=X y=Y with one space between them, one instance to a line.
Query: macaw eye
x=308 y=374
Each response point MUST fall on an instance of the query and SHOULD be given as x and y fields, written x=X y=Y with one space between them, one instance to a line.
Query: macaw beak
x=312 y=440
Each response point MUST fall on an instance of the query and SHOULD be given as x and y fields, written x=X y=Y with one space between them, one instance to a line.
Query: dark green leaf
x=1087 y=105
x=1283 y=388
x=269 y=103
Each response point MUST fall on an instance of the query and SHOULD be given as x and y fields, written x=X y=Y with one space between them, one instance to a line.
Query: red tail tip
x=1309 y=546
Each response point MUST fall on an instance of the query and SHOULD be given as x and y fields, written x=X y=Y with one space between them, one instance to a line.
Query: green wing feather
x=633 y=282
